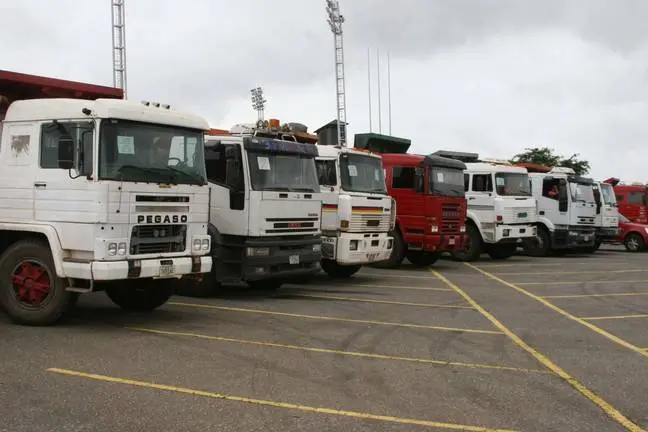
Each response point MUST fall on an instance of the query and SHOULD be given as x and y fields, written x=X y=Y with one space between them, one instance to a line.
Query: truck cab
x=265 y=207
x=501 y=210
x=632 y=199
x=607 y=214
x=357 y=212
x=566 y=211
x=430 y=200
x=97 y=194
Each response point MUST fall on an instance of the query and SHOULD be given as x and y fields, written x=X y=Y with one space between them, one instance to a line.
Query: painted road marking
x=583 y=282
x=393 y=275
x=595 y=295
x=605 y=406
x=338 y=352
x=397 y=287
x=336 y=319
x=361 y=300
x=273 y=404
x=584 y=272
x=615 y=317
x=563 y=312
x=562 y=263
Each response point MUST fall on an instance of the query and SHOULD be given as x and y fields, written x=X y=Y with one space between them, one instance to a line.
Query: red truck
x=430 y=200
x=632 y=199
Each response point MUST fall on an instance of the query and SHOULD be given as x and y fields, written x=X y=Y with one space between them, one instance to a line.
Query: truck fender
x=50 y=234
x=215 y=236
x=544 y=222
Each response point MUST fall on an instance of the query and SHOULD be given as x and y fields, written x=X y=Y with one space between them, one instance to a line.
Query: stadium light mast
x=258 y=102
x=119 y=44
x=335 y=20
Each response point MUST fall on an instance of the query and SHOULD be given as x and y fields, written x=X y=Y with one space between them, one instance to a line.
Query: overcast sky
x=490 y=76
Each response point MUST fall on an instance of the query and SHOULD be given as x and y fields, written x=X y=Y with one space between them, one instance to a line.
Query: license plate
x=167 y=270
x=293 y=259
x=451 y=241
x=523 y=214
x=372 y=256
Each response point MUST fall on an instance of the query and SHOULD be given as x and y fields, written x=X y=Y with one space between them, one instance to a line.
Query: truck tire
x=335 y=270
x=140 y=295
x=501 y=251
x=422 y=258
x=540 y=246
x=634 y=243
x=30 y=291
x=474 y=248
x=399 y=249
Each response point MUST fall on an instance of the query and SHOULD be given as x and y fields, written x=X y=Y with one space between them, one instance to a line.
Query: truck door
x=62 y=191
x=480 y=198
x=18 y=157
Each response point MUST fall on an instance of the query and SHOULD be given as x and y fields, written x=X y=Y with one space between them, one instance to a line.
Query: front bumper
x=574 y=237
x=138 y=269
x=357 y=248
x=511 y=233
x=607 y=233
x=446 y=242
x=286 y=258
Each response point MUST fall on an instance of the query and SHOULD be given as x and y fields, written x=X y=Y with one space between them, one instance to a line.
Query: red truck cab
x=430 y=200
x=632 y=200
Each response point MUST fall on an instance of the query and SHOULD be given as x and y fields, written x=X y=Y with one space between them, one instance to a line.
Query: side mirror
x=419 y=180
x=66 y=153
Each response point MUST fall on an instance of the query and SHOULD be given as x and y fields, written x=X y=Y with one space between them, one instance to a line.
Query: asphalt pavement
x=526 y=344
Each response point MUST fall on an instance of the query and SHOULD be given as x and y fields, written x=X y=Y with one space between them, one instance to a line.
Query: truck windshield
x=282 y=171
x=361 y=173
x=607 y=192
x=143 y=152
x=581 y=192
x=446 y=182
x=512 y=184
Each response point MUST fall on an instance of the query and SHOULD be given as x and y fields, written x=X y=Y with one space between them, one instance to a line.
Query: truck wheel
x=335 y=270
x=30 y=291
x=266 y=285
x=539 y=246
x=501 y=251
x=634 y=243
x=474 y=247
x=140 y=295
x=422 y=258
x=399 y=249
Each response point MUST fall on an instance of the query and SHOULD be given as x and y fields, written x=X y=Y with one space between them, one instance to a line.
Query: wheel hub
x=31 y=283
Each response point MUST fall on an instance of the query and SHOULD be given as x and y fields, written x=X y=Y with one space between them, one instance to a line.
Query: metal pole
x=379 y=108
x=389 y=91
x=369 y=82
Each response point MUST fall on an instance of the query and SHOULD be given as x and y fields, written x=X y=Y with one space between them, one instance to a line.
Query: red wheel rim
x=32 y=283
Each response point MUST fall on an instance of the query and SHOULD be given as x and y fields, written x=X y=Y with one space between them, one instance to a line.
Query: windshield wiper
x=193 y=176
x=149 y=170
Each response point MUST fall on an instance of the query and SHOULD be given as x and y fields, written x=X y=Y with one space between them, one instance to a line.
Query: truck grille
x=584 y=220
x=518 y=215
x=451 y=218
x=367 y=222
x=293 y=225
x=147 y=239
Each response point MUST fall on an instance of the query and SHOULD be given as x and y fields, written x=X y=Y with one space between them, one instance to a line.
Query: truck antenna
x=119 y=44
x=335 y=20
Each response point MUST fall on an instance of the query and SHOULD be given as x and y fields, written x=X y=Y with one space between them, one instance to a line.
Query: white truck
x=566 y=211
x=265 y=208
x=357 y=212
x=607 y=214
x=91 y=200
x=501 y=210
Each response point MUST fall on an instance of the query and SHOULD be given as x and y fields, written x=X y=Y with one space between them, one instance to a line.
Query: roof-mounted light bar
x=156 y=104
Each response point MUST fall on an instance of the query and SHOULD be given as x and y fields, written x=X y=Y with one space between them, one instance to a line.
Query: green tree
x=546 y=156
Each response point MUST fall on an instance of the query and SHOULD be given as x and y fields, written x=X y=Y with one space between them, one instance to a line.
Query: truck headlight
x=258 y=251
x=121 y=248
x=205 y=244
x=197 y=244
x=353 y=245
x=434 y=228
x=462 y=229
x=317 y=247
x=112 y=249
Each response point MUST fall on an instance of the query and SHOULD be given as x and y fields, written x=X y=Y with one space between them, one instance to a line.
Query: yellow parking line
x=397 y=287
x=562 y=311
x=584 y=282
x=563 y=263
x=335 y=319
x=551 y=272
x=394 y=275
x=273 y=404
x=339 y=352
x=611 y=411
x=361 y=300
x=594 y=295
x=614 y=317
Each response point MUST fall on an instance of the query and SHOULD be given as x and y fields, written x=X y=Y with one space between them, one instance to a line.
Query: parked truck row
x=143 y=201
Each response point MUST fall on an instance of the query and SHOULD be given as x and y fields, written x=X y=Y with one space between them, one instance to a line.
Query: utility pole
x=335 y=20
x=119 y=44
